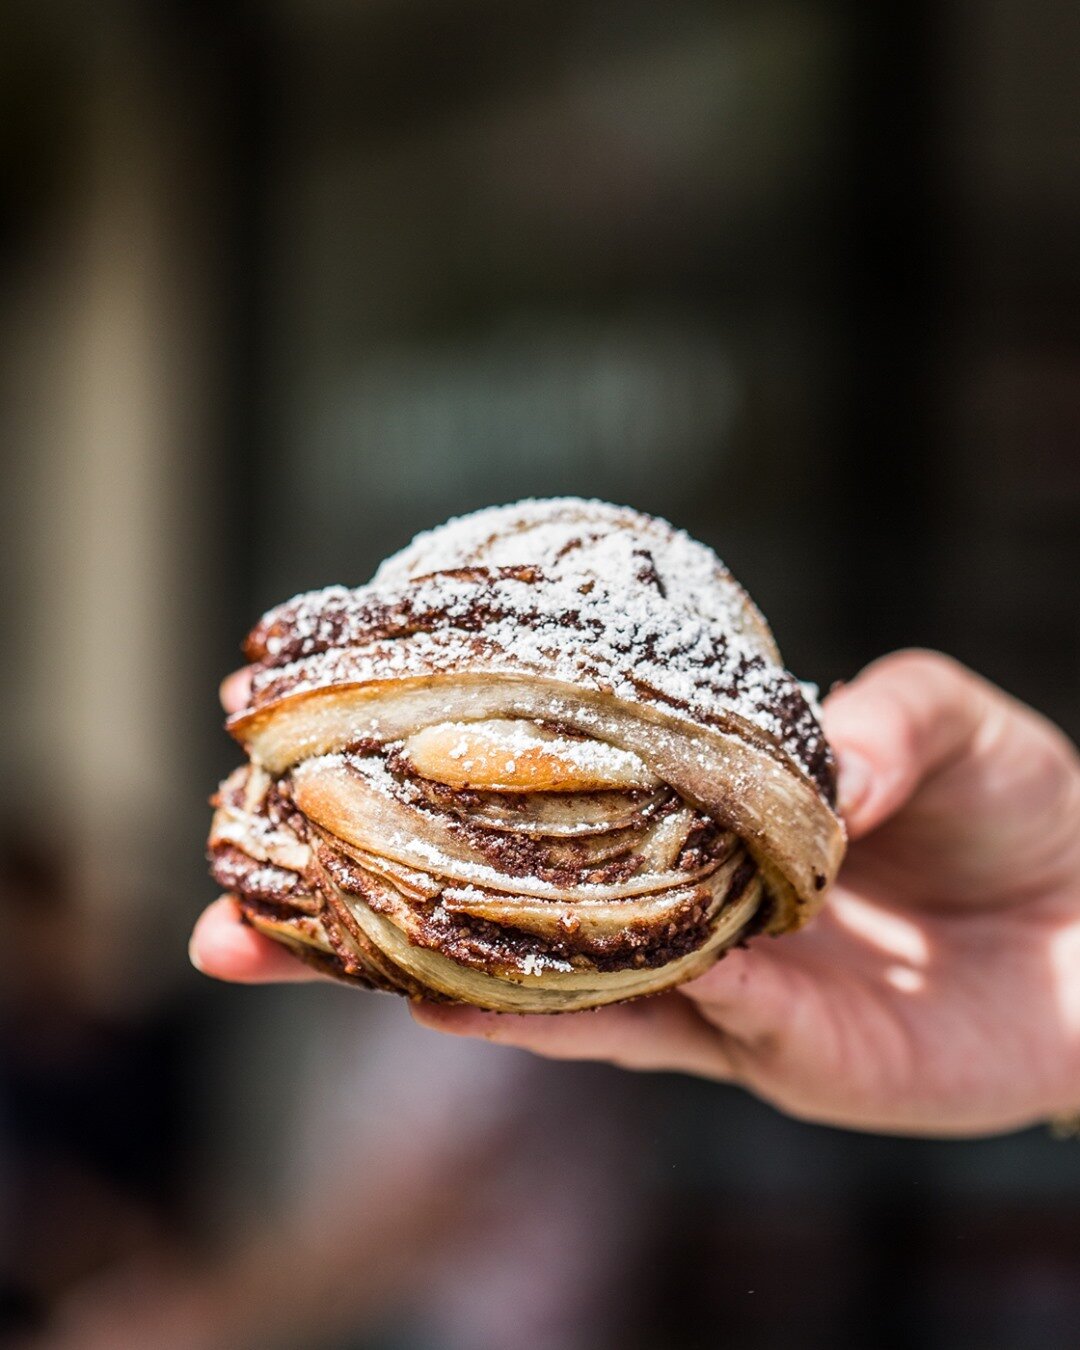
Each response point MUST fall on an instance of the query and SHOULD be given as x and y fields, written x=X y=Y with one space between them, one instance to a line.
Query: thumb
x=900 y=721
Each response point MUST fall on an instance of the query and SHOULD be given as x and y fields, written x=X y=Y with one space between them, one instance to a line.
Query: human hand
x=939 y=990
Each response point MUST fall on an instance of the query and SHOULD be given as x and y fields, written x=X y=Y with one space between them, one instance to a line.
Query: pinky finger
x=223 y=946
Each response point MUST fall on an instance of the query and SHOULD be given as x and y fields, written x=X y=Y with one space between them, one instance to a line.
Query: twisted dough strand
x=547 y=759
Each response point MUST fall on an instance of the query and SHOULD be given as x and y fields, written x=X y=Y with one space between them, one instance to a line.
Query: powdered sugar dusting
x=535 y=963
x=517 y=738
x=591 y=595
x=569 y=535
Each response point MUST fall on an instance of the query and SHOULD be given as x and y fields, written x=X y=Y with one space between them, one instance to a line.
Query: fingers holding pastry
x=660 y=1033
x=955 y=770
x=235 y=689
x=226 y=948
x=900 y=720
x=752 y=994
x=746 y=1009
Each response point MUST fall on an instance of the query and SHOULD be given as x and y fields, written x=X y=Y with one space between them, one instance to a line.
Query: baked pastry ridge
x=548 y=758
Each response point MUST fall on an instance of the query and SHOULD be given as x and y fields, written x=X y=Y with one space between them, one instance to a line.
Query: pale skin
x=937 y=993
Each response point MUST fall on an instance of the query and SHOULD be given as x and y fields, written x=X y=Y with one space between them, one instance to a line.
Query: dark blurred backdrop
x=284 y=282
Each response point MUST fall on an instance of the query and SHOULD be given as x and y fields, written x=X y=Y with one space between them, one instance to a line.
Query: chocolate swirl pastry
x=547 y=759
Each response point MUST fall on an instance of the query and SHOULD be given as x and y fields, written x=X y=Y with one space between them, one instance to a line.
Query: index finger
x=225 y=947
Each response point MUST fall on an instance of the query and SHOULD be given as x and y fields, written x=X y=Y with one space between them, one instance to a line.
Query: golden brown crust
x=409 y=741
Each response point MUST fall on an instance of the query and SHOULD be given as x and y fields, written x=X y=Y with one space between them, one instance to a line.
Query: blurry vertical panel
x=114 y=541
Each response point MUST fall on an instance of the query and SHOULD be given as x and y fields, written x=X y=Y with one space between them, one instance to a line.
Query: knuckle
x=921 y=663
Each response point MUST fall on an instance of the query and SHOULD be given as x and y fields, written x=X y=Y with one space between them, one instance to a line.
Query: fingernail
x=853 y=788
x=193 y=956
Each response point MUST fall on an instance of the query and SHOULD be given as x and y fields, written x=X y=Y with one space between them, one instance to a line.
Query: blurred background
x=282 y=283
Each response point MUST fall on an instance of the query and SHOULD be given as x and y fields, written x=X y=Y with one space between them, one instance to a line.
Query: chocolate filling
x=277 y=894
